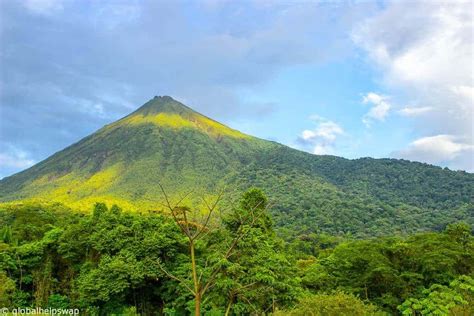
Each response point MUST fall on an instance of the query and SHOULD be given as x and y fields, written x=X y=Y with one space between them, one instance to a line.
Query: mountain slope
x=162 y=142
x=166 y=142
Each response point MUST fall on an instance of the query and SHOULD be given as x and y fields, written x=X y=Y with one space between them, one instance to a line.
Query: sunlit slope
x=162 y=142
x=165 y=142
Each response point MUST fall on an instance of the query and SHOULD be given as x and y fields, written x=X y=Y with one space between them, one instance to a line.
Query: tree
x=335 y=304
x=443 y=300
x=195 y=228
x=459 y=232
x=259 y=277
x=7 y=288
x=119 y=266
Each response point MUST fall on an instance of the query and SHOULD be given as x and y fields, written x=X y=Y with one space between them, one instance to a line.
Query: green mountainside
x=166 y=142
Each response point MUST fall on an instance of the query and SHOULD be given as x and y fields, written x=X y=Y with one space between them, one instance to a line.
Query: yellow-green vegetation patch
x=30 y=202
x=86 y=204
x=73 y=189
x=162 y=119
x=177 y=121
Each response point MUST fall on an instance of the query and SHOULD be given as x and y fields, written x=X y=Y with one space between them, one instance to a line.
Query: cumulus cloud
x=414 y=111
x=13 y=158
x=379 y=110
x=424 y=52
x=321 y=140
x=437 y=150
x=44 y=7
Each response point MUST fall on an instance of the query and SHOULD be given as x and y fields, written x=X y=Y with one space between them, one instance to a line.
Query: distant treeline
x=234 y=263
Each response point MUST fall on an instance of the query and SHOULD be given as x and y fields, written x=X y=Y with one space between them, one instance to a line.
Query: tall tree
x=195 y=228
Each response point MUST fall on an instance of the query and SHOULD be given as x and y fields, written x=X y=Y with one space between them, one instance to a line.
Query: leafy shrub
x=336 y=304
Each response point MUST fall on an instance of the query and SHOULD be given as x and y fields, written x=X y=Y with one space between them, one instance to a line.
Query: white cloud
x=464 y=92
x=436 y=149
x=323 y=150
x=43 y=7
x=380 y=108
x=424 y=51
x=373 y=98
x=326 y=130
x=415 y=111
x=321 y=140
x=15 y=158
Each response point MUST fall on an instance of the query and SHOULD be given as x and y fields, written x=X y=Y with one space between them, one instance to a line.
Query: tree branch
x=172 y=276
x=234 y=242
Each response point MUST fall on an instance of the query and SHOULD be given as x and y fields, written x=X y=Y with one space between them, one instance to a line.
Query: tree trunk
x=231 y=300
x=197 y=304
x=197 y=289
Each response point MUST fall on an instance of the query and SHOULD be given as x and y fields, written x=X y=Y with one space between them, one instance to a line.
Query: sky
x=354 y=79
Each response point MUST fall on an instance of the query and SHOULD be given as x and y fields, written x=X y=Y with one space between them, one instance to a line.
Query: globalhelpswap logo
x=39 y=311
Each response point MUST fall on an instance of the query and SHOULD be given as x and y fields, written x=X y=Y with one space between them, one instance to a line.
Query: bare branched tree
x=195 y=229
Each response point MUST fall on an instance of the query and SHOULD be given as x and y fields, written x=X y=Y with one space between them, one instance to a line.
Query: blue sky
x=353 y=79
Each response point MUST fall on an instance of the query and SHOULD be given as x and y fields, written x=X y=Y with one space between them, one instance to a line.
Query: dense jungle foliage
x=111 y=261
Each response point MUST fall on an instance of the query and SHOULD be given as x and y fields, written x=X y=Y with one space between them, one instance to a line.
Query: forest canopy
x=112 y=261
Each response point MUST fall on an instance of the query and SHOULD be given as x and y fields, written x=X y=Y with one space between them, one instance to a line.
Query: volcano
x=166 y=143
